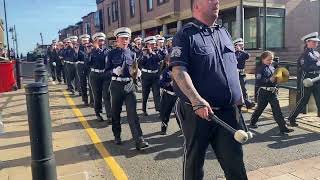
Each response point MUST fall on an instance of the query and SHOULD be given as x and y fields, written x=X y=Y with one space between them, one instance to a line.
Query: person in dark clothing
x=82 y=67
x=206 y=81
x=310 y=65
x=99 y=79
x=70 y=58
x=120 y=60
x=53 y=59
x=242 y=57
x=60 y=65
x=168 y=97
x=150 y=65
x=268 y=93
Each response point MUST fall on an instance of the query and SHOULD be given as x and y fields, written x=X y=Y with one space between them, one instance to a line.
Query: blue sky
x=47 y=16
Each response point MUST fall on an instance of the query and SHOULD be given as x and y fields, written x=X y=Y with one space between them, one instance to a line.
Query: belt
x=80 y=62
x=120 y=79
x=169 y=92
x=314 y=72
x=69 y=62
x=149 y=71
x=271 y=89
x=241 y=71
x=97 y=70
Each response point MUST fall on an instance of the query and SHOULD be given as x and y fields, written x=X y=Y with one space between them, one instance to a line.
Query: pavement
x=84 y=147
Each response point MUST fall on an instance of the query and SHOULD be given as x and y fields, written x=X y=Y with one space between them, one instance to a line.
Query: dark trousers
x=53 y=71
x=64 y=73
x=82 y=72
x=59 y=71
x=199 y=133
x=100 y=83
x=264 y=97
x=167 y=103
x=243 y=83
x=77 y=82
x=71 y=75
x=148 y=81
x=118 y=97
x=305 y=96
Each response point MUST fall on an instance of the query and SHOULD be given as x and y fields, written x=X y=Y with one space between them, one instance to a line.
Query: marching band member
x=70 y=59
x=310 y=69
x=268 y=93
x=99 y=79
x=53 y=58
x=121 y=60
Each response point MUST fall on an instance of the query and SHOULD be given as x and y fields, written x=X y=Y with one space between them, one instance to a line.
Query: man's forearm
x=185 y=84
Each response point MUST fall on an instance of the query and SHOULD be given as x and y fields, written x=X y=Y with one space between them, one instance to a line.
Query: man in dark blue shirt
x=82 y=68
x=150 y=66
x=53 y=59
x=310 y=63
x=121 y=60
x=204 y=68
x=99 y=79
x=242 y=57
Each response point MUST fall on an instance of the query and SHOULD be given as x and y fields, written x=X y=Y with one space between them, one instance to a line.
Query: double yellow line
x=115 y=168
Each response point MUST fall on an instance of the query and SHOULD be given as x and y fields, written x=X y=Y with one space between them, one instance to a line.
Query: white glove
x=139 y=73
x=318 y=63
x=117 y=71
x=54 y=64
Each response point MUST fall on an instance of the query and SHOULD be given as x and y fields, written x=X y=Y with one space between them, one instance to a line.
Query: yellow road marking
x=117 y=171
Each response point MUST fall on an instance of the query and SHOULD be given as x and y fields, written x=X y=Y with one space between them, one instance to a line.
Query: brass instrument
x=134 y=68
x=281 y=75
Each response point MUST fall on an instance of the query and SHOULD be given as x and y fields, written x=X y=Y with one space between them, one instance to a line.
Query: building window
x=149 y=5
x=275 y=27
x=109 y=15
x=96 y=19
x=114 y=7
x=132 y=4
x=162 y=2
x=87 y=29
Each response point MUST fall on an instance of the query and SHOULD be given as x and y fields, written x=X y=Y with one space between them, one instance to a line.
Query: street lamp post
x=264 y=25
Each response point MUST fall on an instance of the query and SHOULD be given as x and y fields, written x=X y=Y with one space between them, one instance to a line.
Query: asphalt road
x=163 y=159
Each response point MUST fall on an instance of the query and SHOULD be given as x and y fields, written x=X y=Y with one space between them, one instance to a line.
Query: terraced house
x=287 y=21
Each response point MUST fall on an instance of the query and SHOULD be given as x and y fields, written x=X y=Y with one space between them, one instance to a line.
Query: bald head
x=206 y=10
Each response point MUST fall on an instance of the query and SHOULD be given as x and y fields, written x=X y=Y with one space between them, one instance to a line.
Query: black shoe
x=163 y=129
x=99 y=117
x=145 y=114
x=251 y=105
x=253 y=126
x=86 y=102
x=293 y=124
x=286 y=130
x=141 y=144
x=72 y=92
x=117 y=141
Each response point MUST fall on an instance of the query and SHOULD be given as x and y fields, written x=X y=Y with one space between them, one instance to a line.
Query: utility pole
x=264 y=25
x=41 y=38
x=5 y=18
x=242 y=20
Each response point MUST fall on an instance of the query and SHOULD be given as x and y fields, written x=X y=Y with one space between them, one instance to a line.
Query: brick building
x=287 y=21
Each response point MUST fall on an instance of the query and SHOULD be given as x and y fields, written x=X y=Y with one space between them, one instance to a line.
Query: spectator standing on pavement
x=204 y=68
x=310 y=64
x=268 y=93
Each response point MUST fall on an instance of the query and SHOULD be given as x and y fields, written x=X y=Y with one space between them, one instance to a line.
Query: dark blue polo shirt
x=69 y=54
x=242 y=57
x=97 y=58
x=151 y=61
x=209 y=56
x=165 y=79
x=263 y=75
x=120 y=57
x=82 y=54
x=309 y=60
